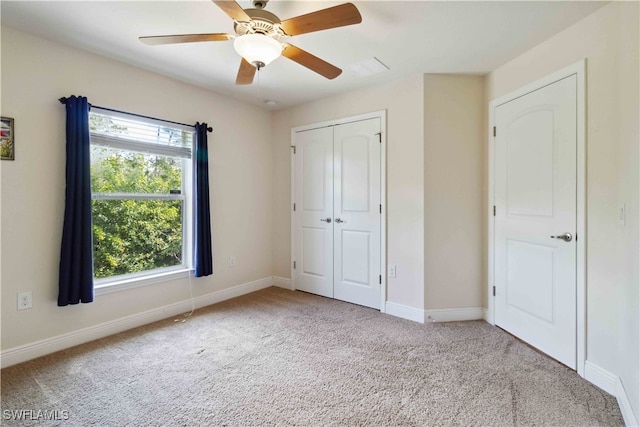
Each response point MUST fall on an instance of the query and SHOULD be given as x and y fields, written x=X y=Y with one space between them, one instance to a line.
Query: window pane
x=139 y=131
x=130 y=236
x=119 y=171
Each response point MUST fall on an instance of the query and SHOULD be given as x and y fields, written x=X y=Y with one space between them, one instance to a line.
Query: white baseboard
x=600 y=377
x=454 y=314
x=487 y=316
x=39 y=348
x=442 y=315
x=282 y=282
x=233 y=292
x=613 y=385
x=625 y=405
x=404 y=311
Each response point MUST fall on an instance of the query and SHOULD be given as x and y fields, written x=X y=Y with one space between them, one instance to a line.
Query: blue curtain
x=76 y=258
x=202 y=248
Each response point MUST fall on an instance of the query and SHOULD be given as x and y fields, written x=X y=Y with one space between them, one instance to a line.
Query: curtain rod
x=63 y=100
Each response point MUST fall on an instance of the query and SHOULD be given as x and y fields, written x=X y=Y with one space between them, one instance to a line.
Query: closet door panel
x=357 y=212
x=314 y=212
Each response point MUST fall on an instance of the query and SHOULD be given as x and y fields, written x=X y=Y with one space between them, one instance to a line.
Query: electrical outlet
x=392 y=271
x=25 y=300
x=232 y=261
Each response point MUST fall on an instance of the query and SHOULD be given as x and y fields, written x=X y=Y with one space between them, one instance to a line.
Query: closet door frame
x=382 y=115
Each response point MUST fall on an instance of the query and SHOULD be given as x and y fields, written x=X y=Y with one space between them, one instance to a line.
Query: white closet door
x=356 y=205
x=338 y=212
x=314 y=211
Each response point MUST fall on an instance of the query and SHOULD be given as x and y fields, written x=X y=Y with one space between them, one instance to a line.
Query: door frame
x=382 y=115
x=579 y=70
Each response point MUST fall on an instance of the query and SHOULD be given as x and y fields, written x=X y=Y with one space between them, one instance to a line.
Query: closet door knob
x=566 y=236
x=338 y=220
x=326 y=220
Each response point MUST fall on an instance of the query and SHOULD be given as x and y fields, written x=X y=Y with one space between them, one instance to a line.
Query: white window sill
x=137 y=282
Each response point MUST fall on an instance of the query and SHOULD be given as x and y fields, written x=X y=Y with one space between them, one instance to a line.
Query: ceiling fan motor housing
x=262 y=22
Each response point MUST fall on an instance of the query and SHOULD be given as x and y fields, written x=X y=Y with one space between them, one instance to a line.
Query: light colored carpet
x=290 y=358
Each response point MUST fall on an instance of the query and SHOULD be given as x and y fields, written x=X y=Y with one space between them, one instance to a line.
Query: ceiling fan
x=258 y=33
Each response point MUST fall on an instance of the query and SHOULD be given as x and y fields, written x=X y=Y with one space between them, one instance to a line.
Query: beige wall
x=454 y=132
x=448 y=112
x=609 y=40
x=405 y=181
x=35 y=73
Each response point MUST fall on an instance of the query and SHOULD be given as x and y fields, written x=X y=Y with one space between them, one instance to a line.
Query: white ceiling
x=473 y=37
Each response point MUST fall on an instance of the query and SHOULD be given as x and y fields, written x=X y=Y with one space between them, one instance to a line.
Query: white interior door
x=535 y=198
x=338 y=211
x=314 y=211
x=356 y=208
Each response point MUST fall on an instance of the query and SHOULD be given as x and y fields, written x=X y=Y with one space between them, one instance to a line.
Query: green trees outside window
x=137 y=208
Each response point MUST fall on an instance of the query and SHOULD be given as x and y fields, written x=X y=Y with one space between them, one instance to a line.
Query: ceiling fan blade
x=245 y=73
x=310 y=61
x=185 y=38
x=233 y=9
x=337 y=16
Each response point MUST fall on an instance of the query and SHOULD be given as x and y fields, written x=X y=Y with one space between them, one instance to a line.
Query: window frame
x=142 y=278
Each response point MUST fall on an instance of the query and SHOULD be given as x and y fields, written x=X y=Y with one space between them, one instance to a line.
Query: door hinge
x=379 y=137
x=494 y=131
x=380 y=208
x=494 y=291
x=294 y=207
x=494 y=210
x=380 y=279
x=294 y=265
x=294 y=148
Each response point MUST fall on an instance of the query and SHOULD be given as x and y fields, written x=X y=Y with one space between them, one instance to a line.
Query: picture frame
x=7 y=144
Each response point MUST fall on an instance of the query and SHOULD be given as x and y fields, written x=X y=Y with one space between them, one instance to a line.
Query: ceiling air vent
x=368 y=67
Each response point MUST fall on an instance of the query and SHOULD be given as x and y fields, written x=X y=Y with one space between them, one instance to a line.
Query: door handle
x=567 y=237
x=338 y=220
x=325 y=220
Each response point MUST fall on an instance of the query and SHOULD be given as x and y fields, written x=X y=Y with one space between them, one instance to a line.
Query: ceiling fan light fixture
x=257 y=49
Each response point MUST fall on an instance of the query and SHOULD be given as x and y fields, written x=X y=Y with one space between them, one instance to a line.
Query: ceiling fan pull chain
x=258 y=85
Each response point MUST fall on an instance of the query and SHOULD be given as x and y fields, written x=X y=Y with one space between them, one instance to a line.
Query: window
x=141 y=186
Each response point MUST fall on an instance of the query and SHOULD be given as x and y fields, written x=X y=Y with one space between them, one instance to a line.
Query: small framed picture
x=7 y=149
